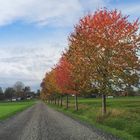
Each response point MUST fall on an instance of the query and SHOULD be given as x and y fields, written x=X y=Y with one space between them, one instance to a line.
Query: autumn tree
x=59 y=82
x=103 y=50
x=64 y=79
x=50 y=89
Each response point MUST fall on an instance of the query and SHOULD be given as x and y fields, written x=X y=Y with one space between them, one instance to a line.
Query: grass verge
x=8 y=109
x=122 y=119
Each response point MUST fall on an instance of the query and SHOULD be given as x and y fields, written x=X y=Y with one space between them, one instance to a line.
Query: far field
x=8 y=109
x=122 y=119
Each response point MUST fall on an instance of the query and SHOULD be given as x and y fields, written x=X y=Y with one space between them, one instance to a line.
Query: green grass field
x=122 y=119
x=8 y=109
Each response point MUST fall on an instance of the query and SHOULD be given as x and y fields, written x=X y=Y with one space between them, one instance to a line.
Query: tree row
x=102 y=57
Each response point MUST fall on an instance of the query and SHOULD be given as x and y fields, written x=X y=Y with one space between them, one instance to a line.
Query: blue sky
x=33 y=34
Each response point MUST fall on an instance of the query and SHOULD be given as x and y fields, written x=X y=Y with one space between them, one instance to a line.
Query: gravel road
x=40 y=122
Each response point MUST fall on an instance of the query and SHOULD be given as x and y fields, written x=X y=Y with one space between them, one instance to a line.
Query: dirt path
x=40 y=122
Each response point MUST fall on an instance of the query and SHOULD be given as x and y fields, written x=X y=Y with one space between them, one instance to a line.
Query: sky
x=34 y=33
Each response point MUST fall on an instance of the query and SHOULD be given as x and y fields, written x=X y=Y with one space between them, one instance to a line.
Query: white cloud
x=43 y=12
x=29 y=64
x=55 y=12
x=39 y=11
x=92 y=5
x=131 y=9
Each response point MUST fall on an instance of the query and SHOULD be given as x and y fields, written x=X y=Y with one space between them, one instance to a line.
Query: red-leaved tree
x=104 y=45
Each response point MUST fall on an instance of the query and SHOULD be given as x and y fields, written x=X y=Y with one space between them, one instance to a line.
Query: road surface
x=40 y=122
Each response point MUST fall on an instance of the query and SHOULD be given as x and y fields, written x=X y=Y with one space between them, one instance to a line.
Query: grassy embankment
x=8 y=109
x=122 y=119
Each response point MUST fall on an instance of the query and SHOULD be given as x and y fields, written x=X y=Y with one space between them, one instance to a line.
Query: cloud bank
x=27 y=64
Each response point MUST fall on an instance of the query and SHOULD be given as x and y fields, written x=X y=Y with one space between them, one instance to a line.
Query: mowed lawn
x=8 y=109
x=122 y=119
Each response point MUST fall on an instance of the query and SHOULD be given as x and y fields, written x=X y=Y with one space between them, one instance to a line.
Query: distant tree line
x=18 y=92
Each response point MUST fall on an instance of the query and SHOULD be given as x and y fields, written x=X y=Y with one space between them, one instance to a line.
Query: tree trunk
x=58 y=101
x=103 y=104
x=61 y=101
x=67 y=102
x=76 y=102
x=11 y=97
